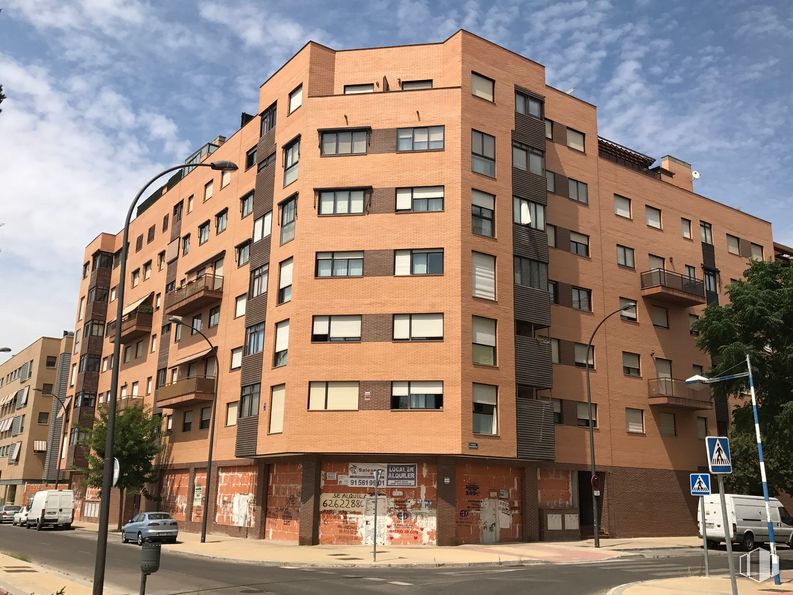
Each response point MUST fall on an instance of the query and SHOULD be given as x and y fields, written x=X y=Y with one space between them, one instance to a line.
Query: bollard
x=149 y=562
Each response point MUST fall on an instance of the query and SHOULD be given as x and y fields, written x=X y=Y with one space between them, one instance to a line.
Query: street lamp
x=107 y=475
x=60 y=438
x=213 y=351
x=699 y=379
x=5 y=350
x=593 y=475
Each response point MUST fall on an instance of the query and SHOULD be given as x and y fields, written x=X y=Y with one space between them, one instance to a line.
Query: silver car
x=7 y=513
x=150 y=526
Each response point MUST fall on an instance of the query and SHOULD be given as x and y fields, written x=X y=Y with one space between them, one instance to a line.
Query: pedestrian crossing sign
x=718 y=448
x=700 y=484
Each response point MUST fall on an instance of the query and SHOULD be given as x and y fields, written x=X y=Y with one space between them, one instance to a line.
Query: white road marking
x=400 y=583
x=373 y=578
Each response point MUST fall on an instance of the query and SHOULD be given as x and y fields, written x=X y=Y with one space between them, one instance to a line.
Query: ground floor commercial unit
x=430 y=500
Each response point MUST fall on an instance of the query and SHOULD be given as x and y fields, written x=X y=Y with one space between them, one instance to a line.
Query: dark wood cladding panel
x=376 y=327
x=379 y=395
x=563 y=238
x=382 y=200
x=530 y=186
x=562 y=186
x=532 y=305
x=559 y=133
x=569 y=412
x=533 y=366
x=256 y=309
x=92 y=345
x=536 y=431
x=530 y=243
x=266 y=144
x=529 y=131
x=566 y=352
x=252 y=366
x=264 y=191
x=708 y=256
x=260 y=252
x=744 y=248
x=96 y=311
x=565 y=291
x=100 y=277
x=87 y=382
x=383 y=140
x=247 y=431
x=378 y=263
x=176 y=228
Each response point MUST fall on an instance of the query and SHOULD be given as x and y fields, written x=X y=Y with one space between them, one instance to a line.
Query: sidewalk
x=273 y=554
x=18 y=577
x=716 y=585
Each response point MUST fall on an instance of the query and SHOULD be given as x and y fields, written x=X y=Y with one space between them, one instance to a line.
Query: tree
x=758 y=321
x=137 y=442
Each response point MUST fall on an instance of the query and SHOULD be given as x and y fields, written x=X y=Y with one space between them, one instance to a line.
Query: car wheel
x=713 y=545
x=140 y=538
x=39 y=524
x=748 y=541
x=124 y=538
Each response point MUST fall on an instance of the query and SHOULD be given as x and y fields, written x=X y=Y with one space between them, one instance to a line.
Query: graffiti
x=471 y=489
x=242 y=510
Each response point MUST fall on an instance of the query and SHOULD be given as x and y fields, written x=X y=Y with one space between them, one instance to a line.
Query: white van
x=747 y=522
x=51 y=507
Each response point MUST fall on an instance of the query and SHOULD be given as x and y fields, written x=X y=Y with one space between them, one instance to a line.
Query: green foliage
x=758 y=321
x=137 y=442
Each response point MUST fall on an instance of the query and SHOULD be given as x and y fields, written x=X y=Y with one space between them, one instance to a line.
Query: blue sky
x=103 y=93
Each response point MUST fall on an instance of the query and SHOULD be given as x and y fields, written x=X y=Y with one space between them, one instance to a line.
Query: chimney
x=677 y=172
x=219 y=140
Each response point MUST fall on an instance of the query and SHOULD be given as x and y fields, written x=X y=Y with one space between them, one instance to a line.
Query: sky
x=101 y=94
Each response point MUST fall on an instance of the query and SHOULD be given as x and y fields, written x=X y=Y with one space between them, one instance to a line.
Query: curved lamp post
x=593 y=475
x=214 y=353
x=107 y=475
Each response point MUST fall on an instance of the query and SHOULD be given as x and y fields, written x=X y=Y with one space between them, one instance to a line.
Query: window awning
x=190 y=358
x=134 y=305
x=39 y=446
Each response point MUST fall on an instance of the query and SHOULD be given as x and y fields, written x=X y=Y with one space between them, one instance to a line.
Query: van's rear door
x=65 y=505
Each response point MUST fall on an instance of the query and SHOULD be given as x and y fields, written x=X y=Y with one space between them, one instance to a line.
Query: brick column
x=213 y=498
x=447 y=502
x=531 y=505
x=260 y=495
x=309 y=502
x=188 y=511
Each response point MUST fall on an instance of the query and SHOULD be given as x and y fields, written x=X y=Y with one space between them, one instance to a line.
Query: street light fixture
x=107 y=475
x=699 y=379
x=5 y=350
x=593 y=475
x=213 y=351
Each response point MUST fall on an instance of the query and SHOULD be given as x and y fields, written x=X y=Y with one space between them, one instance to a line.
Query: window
x=288 y=216
x=236 y=358
x=417 y=395
x=177 y=334
x=341 y=202
x=243 y=253
x=634 y=420
x=626 y=257
x=358 y=89
x=575 y=139
x=527 y=105
x=556 y=406
x=420 y=139
x=691 y=272
x=160 y=260
x=419 y=199
x=685 y=227
x=259 y=277
x=622 y=206
x=190 y=204
x=483 y=207
x=554 y=351
x=221 y=221
x=582 y=299
x=530 y=273
x=631 y=364
x=418 y=262
x=528 y=159
x=285 y=281
x=418 y=327
x=139 y=243
x=329 y=329
x=666 y=424
x=757 y=252
x=582 y=415
x=148 y=385
x=526 y=212
x=549 y=129
x=277 y=400
x=483 y=153
x=339 y=264
x=692 y=320
x=706 y=232
x=660 y=316
x=702 y=427
x=246 y=205
x=231 y=413
x=581 y=355
x=225 y=178
x=733 y=244
x=113 y=294
x=250 y=158
x=550 y=231
x=195 y=325
x=291 y=159
x=186 y=245
x=206 y=412
x=203 y=233
x=697 y=370
x=262 y=226
x=483 y=268
x=485 y=409
x=266 y=162
x=51 y=361
x=254 y=338
x=652 y=217
x=484 y=341
x=550 y=181
x=296 y=99
x=553 y=291
x=579 y=244
x=281 y=343
x=344 y=142
x=416 y=85
x=249 y=400
x=187 y=421
x=577 y=191
x=214 y=316
x=655 y=262
x=208 y=190
x=135 y=280
x=146 y=270
x=333 y=396
x=483 y=87
x=240 y=303
x=153 y=343
x=628 y=314
x=86 y=269
x=268 y=120
x=43 y=417
x=711 y=282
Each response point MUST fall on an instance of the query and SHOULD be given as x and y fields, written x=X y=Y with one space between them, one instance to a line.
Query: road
x=73 y=552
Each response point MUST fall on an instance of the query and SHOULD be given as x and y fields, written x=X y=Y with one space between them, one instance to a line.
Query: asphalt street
x=73 y=552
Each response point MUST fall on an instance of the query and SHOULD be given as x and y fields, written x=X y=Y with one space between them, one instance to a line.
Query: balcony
x=185 y=392
x=135 y=325
x=673 y=288
x=671 y=392
x=205 y=291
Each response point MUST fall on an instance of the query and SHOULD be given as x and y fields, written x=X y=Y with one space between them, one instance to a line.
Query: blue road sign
x=700 y=484
x=719 y=460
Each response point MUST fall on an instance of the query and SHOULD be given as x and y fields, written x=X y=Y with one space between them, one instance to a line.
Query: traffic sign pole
x=704 y=534
x=727 y=536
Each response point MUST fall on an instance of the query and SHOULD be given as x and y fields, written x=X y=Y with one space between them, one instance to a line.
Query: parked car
x=51 y=507
x=7 y=513
x=21 y=516
x=747 y=522
x=150 y=526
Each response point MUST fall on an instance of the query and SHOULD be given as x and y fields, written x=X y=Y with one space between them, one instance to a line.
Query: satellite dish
x=695 y=174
